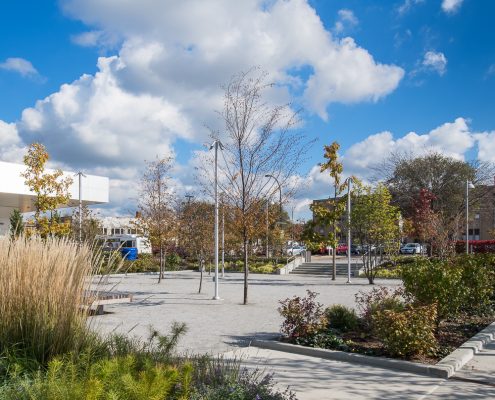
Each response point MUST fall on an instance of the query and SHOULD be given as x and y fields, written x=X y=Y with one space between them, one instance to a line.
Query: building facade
x=14 y=194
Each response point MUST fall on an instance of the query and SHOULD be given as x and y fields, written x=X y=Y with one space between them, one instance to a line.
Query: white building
x=14 y=194
x=118 y=226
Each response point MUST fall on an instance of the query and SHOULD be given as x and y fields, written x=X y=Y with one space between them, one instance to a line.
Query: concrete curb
x=445 y=368
x=354 y=358
x=458 y=358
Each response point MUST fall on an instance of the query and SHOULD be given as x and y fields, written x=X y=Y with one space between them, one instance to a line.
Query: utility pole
x=80 y=175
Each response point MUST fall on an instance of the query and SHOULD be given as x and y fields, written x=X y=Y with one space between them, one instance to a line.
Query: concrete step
x=325 y=269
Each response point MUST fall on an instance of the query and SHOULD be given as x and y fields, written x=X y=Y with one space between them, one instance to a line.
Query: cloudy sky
x=106 y=84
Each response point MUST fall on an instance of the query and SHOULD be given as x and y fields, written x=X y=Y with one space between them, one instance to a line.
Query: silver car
x=412 y=248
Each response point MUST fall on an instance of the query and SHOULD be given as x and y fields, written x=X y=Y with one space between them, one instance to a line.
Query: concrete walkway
x=318 y=379
x=481 y=368
x=226 y=326
x=215 y=326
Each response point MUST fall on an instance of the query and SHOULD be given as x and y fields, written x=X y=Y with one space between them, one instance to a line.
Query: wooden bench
x=94 y=300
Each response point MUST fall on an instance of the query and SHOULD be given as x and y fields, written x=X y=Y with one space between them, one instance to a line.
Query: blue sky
x=381 y=70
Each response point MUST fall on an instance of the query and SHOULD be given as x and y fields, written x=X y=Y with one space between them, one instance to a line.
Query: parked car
x=341 y=249
x=365 y=249
x=296 y=250
x=412 y=248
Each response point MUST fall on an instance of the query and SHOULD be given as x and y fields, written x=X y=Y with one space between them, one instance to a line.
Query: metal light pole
x=292 y=231
x=80 y=175
x=216 y=144
x=267 y=226
x=223 y=240
x=349 y=241
x=280 y=194
x=469 y=185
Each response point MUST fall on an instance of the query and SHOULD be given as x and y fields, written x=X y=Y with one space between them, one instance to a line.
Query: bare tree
x=259 y=139
x=157 y=218
x=194 y=232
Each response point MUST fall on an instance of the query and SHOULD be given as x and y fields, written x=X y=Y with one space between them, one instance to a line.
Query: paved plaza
x=215 y=325
x=227 y=326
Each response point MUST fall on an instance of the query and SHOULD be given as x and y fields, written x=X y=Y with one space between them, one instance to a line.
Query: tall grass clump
x=42 y=282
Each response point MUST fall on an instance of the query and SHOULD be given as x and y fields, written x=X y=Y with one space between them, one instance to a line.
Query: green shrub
x=386 y=273
x=478 y=279
x=463 y=283
x=408 y=332
x=303 y=316
x=323 y=340
x=115 y=378
x=262 y=269
x=341 y=318
x=378 y=299
x=172 y=262
x=144 y=263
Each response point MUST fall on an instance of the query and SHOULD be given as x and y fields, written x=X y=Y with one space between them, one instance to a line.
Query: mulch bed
x=450 y=335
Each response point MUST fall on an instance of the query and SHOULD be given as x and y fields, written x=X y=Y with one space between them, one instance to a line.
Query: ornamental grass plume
x=42 y=284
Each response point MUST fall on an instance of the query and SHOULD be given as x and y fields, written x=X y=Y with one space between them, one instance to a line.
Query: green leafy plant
x=303 y=316
x=115 y=378
x=324 y=340
x=341 y=318
x=378 y=299
x=407 y=332
x=459 y=284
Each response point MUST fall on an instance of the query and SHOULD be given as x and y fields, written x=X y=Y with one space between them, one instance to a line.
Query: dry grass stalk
x=41 y=292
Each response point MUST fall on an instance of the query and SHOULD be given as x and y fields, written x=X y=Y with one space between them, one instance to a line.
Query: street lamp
x=80 y=175
x=280 y=198
x=469 y=185
x=223 y=238
x=216 y=144
x=349 y=182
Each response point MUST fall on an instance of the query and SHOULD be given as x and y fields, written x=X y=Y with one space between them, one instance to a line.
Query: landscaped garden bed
x=48 y=351
x=442 y=304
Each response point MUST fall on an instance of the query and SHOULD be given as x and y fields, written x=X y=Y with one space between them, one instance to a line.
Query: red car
x=341 y=249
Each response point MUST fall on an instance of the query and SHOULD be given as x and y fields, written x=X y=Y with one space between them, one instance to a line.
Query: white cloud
x=407 y=5
x=95 y=38
x=19 y=65
x=490 y=71
x=11 y=145
x=451 y=6
x=95 y=122
x=486 y=146
x=190 y=48
x=164 y=83
x=435 y=61
x=453 y=139
x=346 y=20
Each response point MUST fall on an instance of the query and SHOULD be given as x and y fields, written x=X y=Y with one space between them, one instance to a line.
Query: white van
x=114 y=242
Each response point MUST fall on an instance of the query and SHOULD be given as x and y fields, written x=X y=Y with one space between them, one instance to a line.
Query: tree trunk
x=201 y=274
x=161 y=264
x=164 y=262
x=334 y=263
x=246 y=271
x=371 y=279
